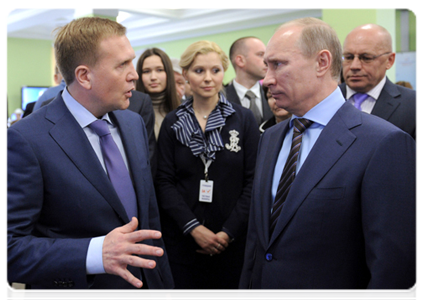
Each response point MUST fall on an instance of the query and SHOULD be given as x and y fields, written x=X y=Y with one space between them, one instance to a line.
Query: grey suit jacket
x=232 y=96
x=396 y=104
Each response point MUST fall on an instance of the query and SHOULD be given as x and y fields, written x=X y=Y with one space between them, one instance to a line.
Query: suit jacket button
x=269 y=256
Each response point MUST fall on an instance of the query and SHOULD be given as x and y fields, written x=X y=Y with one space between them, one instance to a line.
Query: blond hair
x=202 y=47
x=316 y=36
x=77 y=43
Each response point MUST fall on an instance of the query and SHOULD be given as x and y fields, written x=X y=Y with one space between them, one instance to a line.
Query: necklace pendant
x=205 y=117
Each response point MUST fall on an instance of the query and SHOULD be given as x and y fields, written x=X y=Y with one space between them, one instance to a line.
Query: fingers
x=121 y=248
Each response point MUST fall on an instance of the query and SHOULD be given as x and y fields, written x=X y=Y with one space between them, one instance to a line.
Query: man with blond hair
x=82 y=211
x=333 y=199
x=367 y=55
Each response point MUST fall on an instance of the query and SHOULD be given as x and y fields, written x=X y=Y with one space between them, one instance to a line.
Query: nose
x=269 y=79
x=207 y=76
x=356 y=63
x=133 y=75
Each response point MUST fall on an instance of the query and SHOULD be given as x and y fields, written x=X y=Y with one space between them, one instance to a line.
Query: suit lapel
x=267 y=165
x=332 y=143
x=386 y=104
x=72 y=140
x=231 y=94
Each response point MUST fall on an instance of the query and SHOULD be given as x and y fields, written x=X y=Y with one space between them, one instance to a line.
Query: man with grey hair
x=367 y=56
x=333 y=199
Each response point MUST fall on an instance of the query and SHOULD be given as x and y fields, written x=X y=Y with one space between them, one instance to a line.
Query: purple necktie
x=358 y=99
x=116 y=168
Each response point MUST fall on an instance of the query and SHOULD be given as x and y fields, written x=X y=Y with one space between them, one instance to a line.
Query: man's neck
x=245 y=81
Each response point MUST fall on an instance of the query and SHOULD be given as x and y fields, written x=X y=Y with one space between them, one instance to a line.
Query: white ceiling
x=150 y=26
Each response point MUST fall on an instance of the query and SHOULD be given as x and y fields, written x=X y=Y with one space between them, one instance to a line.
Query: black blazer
x=396 y=104
x=232 y=96
x=142 y=105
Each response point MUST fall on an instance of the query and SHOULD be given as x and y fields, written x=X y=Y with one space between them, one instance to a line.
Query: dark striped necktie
x=288 y=174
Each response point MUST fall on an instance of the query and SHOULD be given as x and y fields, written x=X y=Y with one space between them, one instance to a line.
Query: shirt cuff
x=95 y=256
x=190 y=226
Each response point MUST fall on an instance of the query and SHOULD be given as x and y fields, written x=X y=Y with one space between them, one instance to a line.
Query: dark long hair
x=171 y=97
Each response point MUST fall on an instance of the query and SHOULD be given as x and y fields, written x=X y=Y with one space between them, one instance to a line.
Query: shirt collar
x=242 y=90
x=80 y=113
x=323 y=112
x=374 y=92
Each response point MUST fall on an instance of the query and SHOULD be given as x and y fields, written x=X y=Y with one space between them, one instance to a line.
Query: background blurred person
x=206 y=154
x=279 y=114
x=179 y=79
x=157 y=79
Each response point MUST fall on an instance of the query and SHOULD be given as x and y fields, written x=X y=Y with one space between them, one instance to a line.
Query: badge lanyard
x=206 y=186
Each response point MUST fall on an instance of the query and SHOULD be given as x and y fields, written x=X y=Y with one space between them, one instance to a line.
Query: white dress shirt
x=370 y=101
x=241 y=91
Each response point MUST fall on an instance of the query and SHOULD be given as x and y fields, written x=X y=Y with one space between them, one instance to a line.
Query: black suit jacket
x=396 y=104
x=142 y=105
x=232 y=96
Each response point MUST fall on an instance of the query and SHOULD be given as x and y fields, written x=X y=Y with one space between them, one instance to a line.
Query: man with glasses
x=367 y=55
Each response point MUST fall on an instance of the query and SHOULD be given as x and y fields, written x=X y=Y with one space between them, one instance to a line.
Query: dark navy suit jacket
x=59 y=197
x=349 y=219
x=396 y=104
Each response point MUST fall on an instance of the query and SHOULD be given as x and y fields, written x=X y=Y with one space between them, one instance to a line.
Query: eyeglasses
x=364 y=58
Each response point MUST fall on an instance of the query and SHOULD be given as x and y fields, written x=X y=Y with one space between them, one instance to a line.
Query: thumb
x=131 y=226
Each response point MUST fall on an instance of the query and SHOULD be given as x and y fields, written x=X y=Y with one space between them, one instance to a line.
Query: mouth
x=154 y=85
x=129 y=93
x=208 y=88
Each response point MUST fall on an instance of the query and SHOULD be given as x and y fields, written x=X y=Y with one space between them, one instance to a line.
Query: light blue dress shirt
x=320 y=114
x=94 y=262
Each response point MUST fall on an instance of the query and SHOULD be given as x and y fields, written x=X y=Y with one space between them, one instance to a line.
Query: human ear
x=323 y=62
x=391 y=60
x=240 y=60
x=83 y=76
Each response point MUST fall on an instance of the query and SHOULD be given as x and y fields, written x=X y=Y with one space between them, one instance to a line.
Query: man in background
x=246 y=55
x=367 y=55
x=82 y=211
x=51 y=92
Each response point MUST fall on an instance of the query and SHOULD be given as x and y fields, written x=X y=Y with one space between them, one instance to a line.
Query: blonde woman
x=206 y=152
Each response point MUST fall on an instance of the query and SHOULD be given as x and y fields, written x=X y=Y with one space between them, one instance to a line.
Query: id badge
x=206 y=191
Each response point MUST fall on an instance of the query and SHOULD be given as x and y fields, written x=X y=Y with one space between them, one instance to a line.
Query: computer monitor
x=31 y=94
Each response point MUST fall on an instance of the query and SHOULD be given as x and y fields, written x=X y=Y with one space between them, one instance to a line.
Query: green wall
x=29 y=62
x=224 y=40
x=412 y=28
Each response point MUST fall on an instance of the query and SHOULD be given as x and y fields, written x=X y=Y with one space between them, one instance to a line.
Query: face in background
x=153 y=74
x=291 y=77
x=180 y=84
x=113 y=77
x=367 y=41
x=205 y=76
x=254 y=64
x=279 y=113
